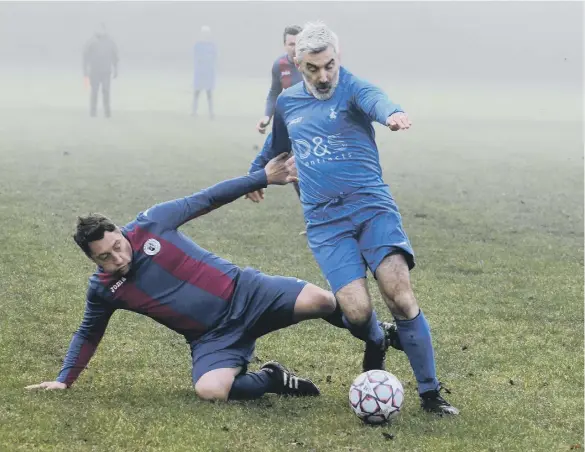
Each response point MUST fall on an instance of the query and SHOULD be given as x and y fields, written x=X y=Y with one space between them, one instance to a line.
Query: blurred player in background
x=100 y=64
x=204 y=59
x=284 y=75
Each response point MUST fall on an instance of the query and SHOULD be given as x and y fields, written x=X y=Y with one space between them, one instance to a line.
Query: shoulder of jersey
x=142 y=220
x=345 y=75
x=97 y=283
x=281 y=59
x=294 y=91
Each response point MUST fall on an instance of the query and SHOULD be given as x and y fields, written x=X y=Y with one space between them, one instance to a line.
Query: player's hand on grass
x=262 y=124
x=48 y=385
x=281 y=170
x=398 y=121
x=256 y=196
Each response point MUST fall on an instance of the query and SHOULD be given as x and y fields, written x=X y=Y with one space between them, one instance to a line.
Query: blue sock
x=368 y=332
x=415 y=336
x=252 y=385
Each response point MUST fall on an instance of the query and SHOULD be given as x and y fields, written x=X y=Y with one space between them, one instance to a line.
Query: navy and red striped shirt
x=172 y=279
x=284 y=75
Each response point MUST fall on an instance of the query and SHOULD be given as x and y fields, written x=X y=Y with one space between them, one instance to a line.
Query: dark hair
x=90 y=229
x=292 y=30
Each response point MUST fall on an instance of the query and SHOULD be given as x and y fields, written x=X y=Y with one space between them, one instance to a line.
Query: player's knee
x=355 y=303
x=358 y=314
x=314 y=302
x=403 y=304
x=361 y=317
x=214 y=385
x=212 y=391
x=325 y=302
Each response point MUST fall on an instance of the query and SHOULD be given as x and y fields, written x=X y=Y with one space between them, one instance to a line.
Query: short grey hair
x=315 y=38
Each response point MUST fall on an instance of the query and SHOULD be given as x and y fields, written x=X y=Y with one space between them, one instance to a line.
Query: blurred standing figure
x=100 y=63
x=284 y=75
x=205 y=56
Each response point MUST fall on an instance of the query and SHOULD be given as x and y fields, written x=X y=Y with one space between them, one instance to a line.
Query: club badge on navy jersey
x=151 y=247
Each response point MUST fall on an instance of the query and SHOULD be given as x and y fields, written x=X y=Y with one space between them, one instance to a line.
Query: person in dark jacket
x=100 y=64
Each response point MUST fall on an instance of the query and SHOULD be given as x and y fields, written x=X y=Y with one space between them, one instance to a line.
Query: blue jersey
x=204 y=58
x=333 y=140
x=284 y=75
x=172 y=279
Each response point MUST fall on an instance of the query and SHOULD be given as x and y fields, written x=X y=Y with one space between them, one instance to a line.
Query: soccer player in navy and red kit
x=284 y=75
x=151 y=268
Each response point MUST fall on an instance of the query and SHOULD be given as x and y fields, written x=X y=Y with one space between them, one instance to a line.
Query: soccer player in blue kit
x=151 y=268
x=353 y=223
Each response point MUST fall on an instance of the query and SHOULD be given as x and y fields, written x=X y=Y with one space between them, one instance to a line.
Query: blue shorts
x=260 y=304
x=351 y=234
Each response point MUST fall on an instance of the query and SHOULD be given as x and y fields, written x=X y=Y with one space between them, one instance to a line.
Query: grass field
x=491 y=199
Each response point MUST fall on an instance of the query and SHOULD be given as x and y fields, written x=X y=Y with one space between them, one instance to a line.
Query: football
x=376 y=396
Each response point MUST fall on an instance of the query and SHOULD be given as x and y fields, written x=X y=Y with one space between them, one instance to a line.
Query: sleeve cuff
x=259 y=178
x=389 y=111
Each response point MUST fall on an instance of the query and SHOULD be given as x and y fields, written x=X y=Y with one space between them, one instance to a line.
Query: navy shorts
x=352 y=234
x=260 y=304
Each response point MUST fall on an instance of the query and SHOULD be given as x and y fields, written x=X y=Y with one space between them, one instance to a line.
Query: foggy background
x=540 y=42
x=522 y=60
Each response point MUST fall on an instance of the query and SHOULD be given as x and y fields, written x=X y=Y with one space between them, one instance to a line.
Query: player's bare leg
x=232 y=384
x=360 y=318
x=95 y=86
x=106 y=86
x=216 y=384
x=210 y=104
x=195 y=104
x=393 y=277
x=314 y=303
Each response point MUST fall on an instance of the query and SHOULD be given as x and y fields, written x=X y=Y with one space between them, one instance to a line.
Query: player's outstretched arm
x=115 y=59
x=172 y=214
x=263 y=157
x=48 y=385
x=276 y=143
x=275 y=90
x=263 y=123
x=398 y=121
x=372 y=101
x=83 y=344
x=85 y=58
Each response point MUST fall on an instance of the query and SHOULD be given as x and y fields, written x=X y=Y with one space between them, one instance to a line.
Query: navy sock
x=252 y=385
x=415 y=336
x=367 y=332
x=336 y=318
